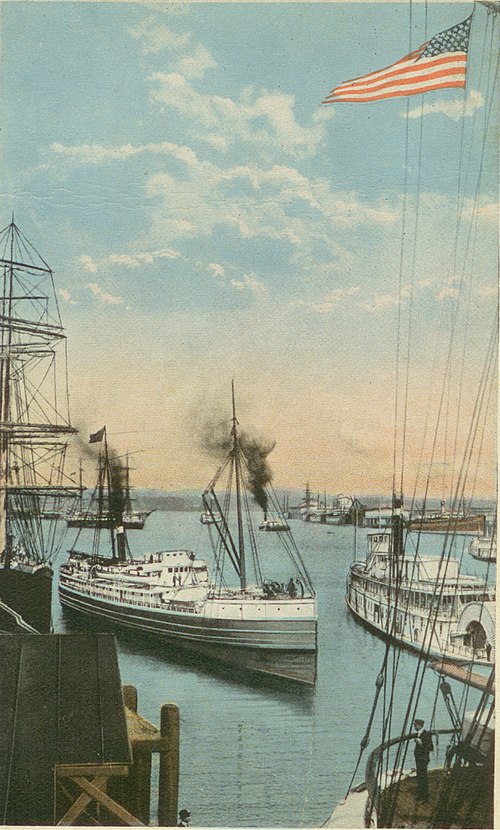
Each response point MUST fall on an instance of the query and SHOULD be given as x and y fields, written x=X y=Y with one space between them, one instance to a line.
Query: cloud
x=131 y=260
x=259 y=117
x=251 y=283
x=98 y=153
x=332 y=300
x=66 y=296
x=216 y=269
x=456 y=110
x=103 y=296
x=155 y=37
x=195 y=64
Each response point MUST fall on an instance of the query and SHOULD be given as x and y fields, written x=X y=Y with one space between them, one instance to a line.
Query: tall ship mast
x=34 y=431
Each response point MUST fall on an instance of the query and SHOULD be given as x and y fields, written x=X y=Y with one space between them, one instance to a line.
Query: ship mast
x=237 y=474
x=33 y=426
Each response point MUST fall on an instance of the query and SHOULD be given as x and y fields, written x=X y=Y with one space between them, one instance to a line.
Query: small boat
x=274 y=525
x=261 y=625
x=484 y=548
x=34 y=429
x=208 y=518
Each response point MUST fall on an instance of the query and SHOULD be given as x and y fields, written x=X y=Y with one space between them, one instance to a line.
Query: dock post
x=168 y=784
x=130 y=697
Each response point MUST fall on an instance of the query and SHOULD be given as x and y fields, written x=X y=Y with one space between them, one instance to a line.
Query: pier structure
x=73 y=749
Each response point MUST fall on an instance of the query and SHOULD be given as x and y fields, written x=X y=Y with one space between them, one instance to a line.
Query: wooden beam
x=107 y=802
x=81 y=803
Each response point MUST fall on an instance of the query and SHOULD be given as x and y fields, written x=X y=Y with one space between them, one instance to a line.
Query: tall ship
x=98 y=513
x=257 y=624
x=34 y=433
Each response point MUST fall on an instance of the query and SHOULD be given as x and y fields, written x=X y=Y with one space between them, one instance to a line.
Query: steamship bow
x=262 y=627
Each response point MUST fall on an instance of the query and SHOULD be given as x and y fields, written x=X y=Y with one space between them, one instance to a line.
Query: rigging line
x=475 y=211
x=400 y=285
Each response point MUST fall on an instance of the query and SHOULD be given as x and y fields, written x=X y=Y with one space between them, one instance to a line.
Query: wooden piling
x=168 y=788
x=130 y=697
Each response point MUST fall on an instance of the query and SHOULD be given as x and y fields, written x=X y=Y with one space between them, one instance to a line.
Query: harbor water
x=259 y=754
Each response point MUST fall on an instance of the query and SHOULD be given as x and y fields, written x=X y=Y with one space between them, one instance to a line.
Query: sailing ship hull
x=449 y=524
x=28 y=592
x=283 y=648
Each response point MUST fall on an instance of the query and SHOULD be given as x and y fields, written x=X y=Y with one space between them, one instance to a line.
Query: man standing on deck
x=423 y=748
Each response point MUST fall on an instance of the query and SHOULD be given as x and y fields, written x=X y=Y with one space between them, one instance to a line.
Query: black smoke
x=259 y=473
x=215 y=438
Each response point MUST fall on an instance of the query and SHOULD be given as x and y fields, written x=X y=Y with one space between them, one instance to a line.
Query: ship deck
x=462 y=798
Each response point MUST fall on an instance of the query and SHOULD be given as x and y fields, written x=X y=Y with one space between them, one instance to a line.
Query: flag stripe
x=457 y=59
x=397 y=93
x=411 y=57
x=401 y=82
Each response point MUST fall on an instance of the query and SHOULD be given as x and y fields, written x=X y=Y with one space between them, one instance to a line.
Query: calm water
x=259 y=755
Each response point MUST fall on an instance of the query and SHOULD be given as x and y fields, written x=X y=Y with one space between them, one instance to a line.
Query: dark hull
x=460 y=524
x=29 y=595
x=280 y=651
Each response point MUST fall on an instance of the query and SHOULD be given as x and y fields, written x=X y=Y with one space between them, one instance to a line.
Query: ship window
x=176 y=570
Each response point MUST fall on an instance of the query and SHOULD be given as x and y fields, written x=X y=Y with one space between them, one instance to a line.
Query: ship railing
x=384 y=766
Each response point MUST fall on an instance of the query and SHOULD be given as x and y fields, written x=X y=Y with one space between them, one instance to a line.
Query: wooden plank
x=10 y=651
x=79 y=724
x=116 y=746
x=30 y=796
x=81 y=803
x=142 y=733
x=462 y=673
x=114 y=808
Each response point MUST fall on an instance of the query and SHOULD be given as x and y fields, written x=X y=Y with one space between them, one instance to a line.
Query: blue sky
x=207 y=218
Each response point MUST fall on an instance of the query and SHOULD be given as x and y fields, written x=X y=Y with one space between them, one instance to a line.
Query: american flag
x=437 y=64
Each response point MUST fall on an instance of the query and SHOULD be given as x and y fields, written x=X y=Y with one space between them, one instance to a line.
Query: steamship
x=262 y=627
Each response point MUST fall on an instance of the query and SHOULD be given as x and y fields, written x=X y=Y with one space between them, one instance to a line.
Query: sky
x=208 y=219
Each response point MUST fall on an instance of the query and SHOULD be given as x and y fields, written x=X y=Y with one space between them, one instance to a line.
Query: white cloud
x=380 y=302
x=260 y=118
x=451 y=109
x=216 y=269
x=155 y=37
x=332 y=300
x=448 y=293
x=251 y=283
x=129 y=260
x=102 y=295
x=98 y=153
x=89 y=264
x=66 y=296
x=195 y=64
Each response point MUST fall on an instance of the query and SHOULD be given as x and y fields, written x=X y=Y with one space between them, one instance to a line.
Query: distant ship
x=99 y=514
x=267 y=627
x=448 y=522
x=34 y=431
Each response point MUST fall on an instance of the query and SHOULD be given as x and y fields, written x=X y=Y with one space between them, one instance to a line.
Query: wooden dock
x=66 y=737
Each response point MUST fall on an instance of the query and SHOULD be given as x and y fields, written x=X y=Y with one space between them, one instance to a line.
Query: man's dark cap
x=184 y=813
x=419 y=720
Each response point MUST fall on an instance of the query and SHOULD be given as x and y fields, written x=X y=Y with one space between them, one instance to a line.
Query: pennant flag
x=97 y=436
x=440 y=63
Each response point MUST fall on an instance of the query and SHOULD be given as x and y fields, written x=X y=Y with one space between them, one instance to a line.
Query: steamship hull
x=449 y=524
x=283 y=647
